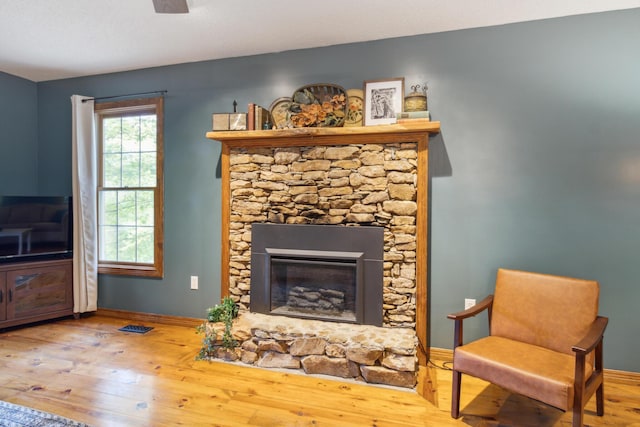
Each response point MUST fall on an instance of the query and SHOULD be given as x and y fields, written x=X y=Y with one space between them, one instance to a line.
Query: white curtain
x=85 y=217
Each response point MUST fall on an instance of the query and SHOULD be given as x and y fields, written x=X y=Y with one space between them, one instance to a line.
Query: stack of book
x=413 y=117
x=258 y=117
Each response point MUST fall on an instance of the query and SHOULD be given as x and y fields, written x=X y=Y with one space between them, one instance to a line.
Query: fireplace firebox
x=323 y=272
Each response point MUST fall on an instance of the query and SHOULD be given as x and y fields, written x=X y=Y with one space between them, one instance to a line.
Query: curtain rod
x=162 y=92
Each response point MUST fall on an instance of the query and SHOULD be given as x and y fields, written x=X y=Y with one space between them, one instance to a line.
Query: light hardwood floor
x=89 y=371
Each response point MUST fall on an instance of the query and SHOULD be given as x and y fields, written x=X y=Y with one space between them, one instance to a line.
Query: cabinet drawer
x=38 y=290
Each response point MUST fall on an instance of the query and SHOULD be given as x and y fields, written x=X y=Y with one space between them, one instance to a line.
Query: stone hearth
x=361 y=352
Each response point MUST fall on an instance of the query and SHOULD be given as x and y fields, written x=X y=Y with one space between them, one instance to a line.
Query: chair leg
x=577 y=418
x=578 y=405
x=455 y=394
x=600 y=400
x=600 y=373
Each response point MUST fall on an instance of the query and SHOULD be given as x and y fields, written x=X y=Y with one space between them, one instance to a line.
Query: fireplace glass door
x=315 y=284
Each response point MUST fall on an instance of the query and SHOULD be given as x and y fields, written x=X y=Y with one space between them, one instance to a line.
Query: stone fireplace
x=327 y=272
x=371 y=185
x=325 y=179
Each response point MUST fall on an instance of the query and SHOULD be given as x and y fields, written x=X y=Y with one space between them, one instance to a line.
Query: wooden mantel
x=326 y=135
x=384 y=134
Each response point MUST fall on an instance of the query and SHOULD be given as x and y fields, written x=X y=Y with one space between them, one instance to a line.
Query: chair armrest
x=593 y=337
x=473 y=311
x=485 y=304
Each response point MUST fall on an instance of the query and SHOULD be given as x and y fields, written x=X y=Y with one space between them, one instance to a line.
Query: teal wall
x=18 y=136
x=537 y=166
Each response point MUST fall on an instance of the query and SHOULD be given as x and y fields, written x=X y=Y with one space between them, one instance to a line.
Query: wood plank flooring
x=89 y=371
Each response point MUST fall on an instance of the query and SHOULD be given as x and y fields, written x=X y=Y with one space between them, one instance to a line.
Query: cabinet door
x=3 y=296
x=39 y=290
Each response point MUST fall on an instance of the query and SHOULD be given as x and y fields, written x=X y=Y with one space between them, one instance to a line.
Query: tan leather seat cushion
x=526 y=369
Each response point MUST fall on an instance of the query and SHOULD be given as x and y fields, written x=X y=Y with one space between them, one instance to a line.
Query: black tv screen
x=35 y=228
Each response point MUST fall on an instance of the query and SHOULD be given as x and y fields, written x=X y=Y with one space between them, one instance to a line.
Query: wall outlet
x=469 y=302
x=194 y=282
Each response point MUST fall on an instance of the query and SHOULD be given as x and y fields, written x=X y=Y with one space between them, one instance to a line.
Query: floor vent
x=138 y=329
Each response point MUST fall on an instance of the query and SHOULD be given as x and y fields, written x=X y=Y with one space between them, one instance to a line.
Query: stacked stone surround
x=365 y=353
x=350 y=185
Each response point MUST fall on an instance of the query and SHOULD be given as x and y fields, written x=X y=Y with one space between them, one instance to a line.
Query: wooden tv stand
x=34 y=291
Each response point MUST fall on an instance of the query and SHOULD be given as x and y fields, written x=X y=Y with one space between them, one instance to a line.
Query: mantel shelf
x=224 y=136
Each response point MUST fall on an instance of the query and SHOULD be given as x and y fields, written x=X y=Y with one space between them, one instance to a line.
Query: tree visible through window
x=130 y=190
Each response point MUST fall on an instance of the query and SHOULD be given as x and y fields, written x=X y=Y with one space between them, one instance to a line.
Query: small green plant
x=224 y=312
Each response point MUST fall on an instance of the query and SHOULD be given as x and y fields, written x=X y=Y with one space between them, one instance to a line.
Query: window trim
x=120 y=109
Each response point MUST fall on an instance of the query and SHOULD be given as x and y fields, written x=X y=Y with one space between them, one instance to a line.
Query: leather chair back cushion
x=548 y=311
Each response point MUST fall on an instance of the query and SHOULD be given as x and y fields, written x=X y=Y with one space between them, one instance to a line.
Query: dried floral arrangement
x=318 y=105
x=308 y=111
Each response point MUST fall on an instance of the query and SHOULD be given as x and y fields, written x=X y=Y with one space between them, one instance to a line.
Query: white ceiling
x=54 y=39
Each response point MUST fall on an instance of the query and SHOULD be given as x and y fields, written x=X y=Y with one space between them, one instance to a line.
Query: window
x=130 y=187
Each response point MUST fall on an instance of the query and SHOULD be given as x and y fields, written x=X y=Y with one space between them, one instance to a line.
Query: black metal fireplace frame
x=340 y=242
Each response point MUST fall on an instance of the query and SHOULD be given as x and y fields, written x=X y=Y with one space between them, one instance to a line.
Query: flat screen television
x=34 y=228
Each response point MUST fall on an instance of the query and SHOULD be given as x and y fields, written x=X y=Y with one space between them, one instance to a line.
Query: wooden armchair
x=545 y=341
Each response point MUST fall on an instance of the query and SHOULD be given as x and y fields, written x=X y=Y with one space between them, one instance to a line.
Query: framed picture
x=383 y=99
x=229 y=121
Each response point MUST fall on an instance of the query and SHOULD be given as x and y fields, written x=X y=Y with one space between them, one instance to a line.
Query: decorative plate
x=355 y=103
x=280 y=114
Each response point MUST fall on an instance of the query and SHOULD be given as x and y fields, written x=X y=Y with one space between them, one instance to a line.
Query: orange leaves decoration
x=329 y=113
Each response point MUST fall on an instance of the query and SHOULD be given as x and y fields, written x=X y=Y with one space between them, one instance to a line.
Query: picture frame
x=229 y=121
x=383 y=99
